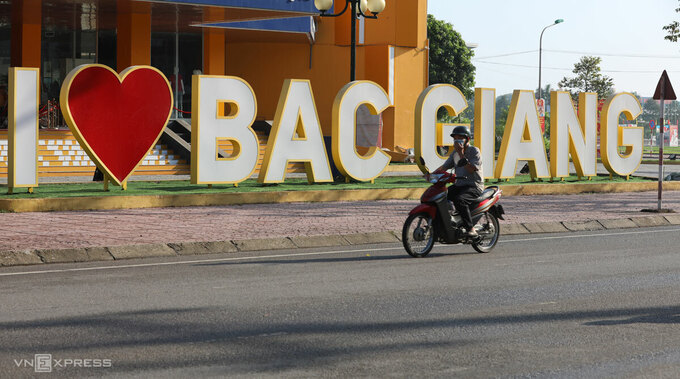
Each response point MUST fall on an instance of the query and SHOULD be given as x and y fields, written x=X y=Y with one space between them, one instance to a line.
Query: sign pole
x=664 y=91
x=661 y=132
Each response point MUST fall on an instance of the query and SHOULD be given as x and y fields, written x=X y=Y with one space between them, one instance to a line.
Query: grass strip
x=174 y=187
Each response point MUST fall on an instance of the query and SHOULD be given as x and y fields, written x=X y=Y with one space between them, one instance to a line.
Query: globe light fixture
x=376 y=6
x=363 y=6
x=360 y=8
x=323 y=5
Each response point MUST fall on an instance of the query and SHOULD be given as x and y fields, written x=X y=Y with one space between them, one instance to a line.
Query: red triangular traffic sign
x=665 y=83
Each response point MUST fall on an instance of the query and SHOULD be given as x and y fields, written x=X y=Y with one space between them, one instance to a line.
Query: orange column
x=214 y=48
x=133 y=34
x=26 y=30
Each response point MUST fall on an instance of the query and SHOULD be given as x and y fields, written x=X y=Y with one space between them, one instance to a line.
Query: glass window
x=70 y=37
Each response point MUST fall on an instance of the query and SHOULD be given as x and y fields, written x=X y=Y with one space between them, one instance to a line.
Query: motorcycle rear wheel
x=489 y=230
x=418 y=235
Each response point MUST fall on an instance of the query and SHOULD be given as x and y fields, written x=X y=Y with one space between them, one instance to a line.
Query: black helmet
x=461 y=130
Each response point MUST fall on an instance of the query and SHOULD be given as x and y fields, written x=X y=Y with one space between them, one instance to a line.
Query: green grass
x=176 y=187
x=666 y=150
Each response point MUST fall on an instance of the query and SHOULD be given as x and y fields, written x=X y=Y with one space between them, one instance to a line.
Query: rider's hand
x=460 y=148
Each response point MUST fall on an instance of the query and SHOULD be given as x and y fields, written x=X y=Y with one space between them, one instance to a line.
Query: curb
x=93 y=254
x=238 y=198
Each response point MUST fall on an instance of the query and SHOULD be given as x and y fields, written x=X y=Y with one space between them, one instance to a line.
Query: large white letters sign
x=224 y=109
x=22 y=159
x=522 y=139
x=572 y=134
x=295 y=136
x=485 y=127
x=347 y=159
x=613 y=136
x=225 y=148
x=427 y=133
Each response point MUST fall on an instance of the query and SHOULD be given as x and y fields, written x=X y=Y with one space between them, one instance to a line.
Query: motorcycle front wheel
x=418 y=235
x=489 y=230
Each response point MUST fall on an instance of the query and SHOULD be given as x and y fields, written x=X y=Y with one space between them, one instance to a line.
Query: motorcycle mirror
x=422 y=163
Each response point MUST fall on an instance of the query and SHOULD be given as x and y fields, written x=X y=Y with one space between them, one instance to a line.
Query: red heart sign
x=116 y=119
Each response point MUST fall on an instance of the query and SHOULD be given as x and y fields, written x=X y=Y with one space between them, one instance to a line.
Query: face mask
x=459 y=141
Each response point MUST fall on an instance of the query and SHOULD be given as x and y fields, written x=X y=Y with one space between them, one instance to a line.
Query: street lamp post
x=540 y=51
x=359 y=8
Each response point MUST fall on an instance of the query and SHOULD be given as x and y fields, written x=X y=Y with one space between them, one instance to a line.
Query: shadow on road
x=174 y=338
x=363 y=258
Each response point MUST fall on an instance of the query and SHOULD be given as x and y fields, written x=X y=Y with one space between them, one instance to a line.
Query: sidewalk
x=171 y=231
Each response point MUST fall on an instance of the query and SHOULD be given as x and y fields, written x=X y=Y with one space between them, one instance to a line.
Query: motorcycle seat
x=487 y=194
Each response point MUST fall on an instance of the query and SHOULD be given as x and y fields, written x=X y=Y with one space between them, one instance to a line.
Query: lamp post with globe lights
x=359 y=8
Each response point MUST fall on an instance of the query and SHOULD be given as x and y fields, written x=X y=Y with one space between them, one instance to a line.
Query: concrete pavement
x=78 y=236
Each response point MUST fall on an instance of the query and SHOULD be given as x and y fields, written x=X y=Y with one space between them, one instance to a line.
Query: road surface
x=591 y=304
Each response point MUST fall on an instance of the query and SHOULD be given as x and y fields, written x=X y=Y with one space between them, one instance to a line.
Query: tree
x=450 y=58
x=588 y=79
x=545 y=93
x=502 y=109
x=673 y=30
x=672 y=111
x=651 y=111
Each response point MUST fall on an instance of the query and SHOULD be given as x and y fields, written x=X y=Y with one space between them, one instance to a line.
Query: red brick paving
x=219 y=223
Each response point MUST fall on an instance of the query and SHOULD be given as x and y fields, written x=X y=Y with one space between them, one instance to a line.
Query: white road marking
x=317 y=253
x=656 y=230
x=188 y=262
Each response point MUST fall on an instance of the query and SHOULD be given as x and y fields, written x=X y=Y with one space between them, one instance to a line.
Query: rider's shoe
x=471 y=233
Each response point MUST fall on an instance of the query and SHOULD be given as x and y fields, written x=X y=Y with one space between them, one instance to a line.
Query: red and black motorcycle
x=436 y=220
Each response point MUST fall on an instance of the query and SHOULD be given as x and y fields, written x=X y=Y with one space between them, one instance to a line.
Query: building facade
x=261 y=41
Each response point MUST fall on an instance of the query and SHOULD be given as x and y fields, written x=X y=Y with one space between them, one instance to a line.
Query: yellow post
x=106 y=182
x=123 y=186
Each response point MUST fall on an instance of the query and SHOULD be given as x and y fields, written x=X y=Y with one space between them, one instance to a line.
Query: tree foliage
x=650 y=111
x=673 y=111
x=450 y=58
x=588 y=79
x=672 y=30
x=545 y=94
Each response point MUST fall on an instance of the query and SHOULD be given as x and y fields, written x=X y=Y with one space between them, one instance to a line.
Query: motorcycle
x=436 y=220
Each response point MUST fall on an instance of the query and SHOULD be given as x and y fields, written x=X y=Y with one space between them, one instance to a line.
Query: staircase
x=59 y=154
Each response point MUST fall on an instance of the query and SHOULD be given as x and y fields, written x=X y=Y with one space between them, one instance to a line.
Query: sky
x=626 y=34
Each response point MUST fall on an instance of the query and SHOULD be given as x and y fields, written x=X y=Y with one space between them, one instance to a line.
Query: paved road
x=594 y=304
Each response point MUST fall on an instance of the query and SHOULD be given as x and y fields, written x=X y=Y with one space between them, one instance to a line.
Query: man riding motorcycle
x=467 y=161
